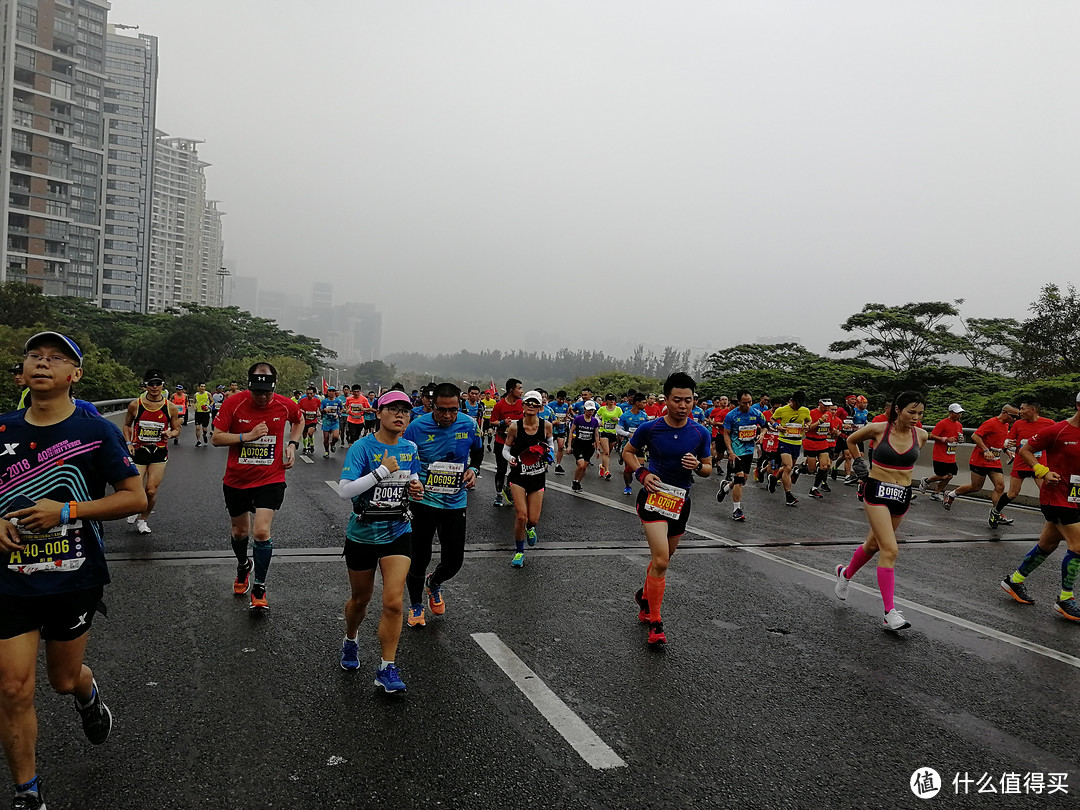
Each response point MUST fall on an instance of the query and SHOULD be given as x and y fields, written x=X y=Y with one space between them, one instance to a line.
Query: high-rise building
x=52 y=76
x=185 y=234
x=131 y=67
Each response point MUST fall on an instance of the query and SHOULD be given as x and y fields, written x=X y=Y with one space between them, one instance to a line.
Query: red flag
x=325 y=390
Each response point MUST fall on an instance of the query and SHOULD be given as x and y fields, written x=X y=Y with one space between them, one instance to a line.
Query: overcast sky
x=534 y=174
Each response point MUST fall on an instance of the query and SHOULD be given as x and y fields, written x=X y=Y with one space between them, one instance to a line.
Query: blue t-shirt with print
x=364 y=456
x=444 y=446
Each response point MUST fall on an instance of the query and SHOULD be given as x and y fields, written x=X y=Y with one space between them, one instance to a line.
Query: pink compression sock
x=886 y=582
x=858 y=560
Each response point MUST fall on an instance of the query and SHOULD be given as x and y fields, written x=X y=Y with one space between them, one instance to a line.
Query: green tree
x=23 y=304
x=989 y=344
x=749 y=356
x=292 y=374
x=900 y=338
x=614 y=382
x=1049 y=342
x=373 y=373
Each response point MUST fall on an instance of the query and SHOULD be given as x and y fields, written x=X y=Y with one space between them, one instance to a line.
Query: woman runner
x=528 y=450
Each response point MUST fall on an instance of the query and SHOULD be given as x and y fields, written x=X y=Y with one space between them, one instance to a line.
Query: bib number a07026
x=1074 y=489
x=668 y=501
x=258 y=451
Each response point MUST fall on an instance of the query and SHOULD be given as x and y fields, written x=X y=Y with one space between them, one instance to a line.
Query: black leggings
x=450 y=524
x=500 y=468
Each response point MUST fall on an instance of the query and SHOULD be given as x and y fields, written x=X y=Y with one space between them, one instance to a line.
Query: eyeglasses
x=447 y=411
x=50 y=360
x=399 y=411
x=532 y=403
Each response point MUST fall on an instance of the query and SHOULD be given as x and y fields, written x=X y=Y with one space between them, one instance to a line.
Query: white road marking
x=332 y=485
x=306 y=459
x=572 y=728
x=830 y=576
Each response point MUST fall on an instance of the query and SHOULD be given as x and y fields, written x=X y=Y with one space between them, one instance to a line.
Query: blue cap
x=63 y=340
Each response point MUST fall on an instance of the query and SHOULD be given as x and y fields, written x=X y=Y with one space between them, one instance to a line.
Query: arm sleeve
x=506 y=452
x=350 y=488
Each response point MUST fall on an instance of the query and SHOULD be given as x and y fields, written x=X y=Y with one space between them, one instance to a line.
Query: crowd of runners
x=409 y=463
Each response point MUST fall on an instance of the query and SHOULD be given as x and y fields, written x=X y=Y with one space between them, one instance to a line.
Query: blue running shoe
x=350 y=655
x=389 y=679
x=627 y=491
x=530 y=536
x=518 y=561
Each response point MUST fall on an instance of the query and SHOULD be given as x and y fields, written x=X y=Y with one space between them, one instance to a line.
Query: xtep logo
x=9 y=449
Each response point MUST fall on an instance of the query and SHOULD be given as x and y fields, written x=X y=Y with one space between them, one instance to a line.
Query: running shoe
x=198 y=444
x=832 y=474
x=416 y=616
x=350 y=655
x=816 y=493
x=243 y=571
x=924 y=484
x=507 y=494
x=519 y=560
x=576 y=486
x=607 y=475
x=1069 y=609
x=894 y=620
x=994 y=518
x=601 y=472
x=499 y=500
x=946 y=499
x=721 y=493
x=935 y=496
x=842 y=583
x=851 y=480
x=1017 y=591
x=772 y=483
x=132 y=518
x=1005 y=521
x=825 y=487
x=326 y=454
x=258 y=598
x=757 y=475
x=656 y=634
x=559 y=470
x=389 y=679
x=627 y=491
x=28 y=801
x=643 y=606
x=530 y=536
x=141 y=527
x=795 y=476
x=792 y=501
x=96 y=717
x=738 y=514
x=435 y=600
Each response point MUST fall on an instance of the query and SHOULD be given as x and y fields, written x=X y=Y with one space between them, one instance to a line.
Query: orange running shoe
x=656 y=634
x=243 y=578
x=416 y=616
x=258 y=598
x=435 y=600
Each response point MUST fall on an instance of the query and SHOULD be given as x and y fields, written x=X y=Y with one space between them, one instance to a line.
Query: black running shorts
x=1061 y=515
x=945 y=468
x=743 y=465
x=893 y=496
x=676 y=527
x=202 y=418
x=582 y=451
x=529 y=483
x=366 y=556
x=984 y=471
x=57 y=616
x=239 y=501
x=145 y=456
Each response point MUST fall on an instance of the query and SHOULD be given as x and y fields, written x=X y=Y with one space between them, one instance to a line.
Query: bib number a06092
x=445 y=477
x=668 y=501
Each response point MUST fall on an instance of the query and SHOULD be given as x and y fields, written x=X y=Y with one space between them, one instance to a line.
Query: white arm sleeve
x=506 y=452
x=347 y=490
x=622 y=432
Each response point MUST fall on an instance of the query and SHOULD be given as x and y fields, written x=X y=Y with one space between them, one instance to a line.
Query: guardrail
x=110 y=405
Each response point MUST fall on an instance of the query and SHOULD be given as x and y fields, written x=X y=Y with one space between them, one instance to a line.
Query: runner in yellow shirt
x=793 y=420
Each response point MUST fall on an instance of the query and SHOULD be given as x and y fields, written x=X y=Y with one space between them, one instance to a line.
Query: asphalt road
x=771 y=693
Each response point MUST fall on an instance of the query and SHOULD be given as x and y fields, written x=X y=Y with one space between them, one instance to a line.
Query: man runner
x=793 y=420
x=54 y=570
x=629 y=422
x=310 y=407
x=330 y=408
x=985 y=459
x=202 y=415
x=252 y=425
x=506 y=411
x=946 y=435
x=1023 y=430
x=356 y=405
x=677 y=449
x=742 y=425
x=149 y=423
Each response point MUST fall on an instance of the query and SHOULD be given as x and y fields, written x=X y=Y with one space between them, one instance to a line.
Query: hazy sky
x=595 y=174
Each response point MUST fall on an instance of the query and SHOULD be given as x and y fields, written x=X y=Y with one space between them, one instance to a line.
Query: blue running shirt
x=667 y=445
x=367 y=455
x=448 y=448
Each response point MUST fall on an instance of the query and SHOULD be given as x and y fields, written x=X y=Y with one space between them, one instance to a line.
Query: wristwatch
x=295 y=444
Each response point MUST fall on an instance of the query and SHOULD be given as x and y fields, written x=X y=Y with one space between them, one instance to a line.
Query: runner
x=629 y=422
x=150 y=421
x=426 y=395
x=20 y=385
x=527 y=450
x=451 y=450
x=946 y=435
x=370 y=417
x=381 y=472
x=252 y=425
x=180 y=400
x=819 y=439
x=1024 y=429
x=356 y=406
x=472 y=407
x=217 y=399
x=985 y=459
x=770 y=450
x=561 y=408
x=1059 y=499
x=793 y=420
x=742 y=426
x=583 y=432
x=310 y=407
x=506 y=411
x=489 y=405
x=51 y=539
x=608 y=415
x=886 y=496
x=330 y=407
x=677 y=449
x=652 y=407
x=203 y=406
x=839 y=452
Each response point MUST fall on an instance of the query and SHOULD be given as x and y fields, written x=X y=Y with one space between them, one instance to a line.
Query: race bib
x=355 y=409
x=891 y=492
x=445 y=477
x=950 y=449
x=58 y=550
x=536 y=468
x=560 y=417
x=668 y=501
x=258 y=451
x=848 y=426
x=388 y=499
x=992 y=455
x=1074 y=489
x=310 y=416
x=823 y=429
x=793 y=430
x=747 y=433
x=150 y=431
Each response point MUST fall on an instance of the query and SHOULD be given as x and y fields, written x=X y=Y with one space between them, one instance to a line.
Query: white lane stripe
x=572 y=728
x=982 y=629
x=332 y=485
x=305 y=458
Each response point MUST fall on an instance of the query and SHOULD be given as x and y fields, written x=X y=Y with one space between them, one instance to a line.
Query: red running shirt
x=993 y=432
x=1061 y=441
x=1023 y=432
x=951 y=430
x=258 y=462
